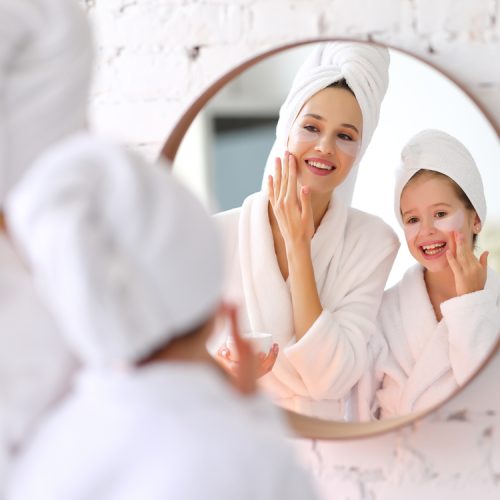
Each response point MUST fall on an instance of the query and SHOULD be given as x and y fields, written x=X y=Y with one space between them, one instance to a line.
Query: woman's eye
x=311 y=128
x=345 y=137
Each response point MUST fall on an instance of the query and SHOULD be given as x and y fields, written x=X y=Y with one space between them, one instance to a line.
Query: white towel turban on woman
x=365 y=68
x=438 y=151
x=126 y=258
x=45 y=66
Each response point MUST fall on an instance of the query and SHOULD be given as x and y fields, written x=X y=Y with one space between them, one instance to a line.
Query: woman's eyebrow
x=319 y=117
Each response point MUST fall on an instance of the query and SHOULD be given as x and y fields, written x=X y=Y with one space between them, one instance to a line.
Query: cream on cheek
x=302 y=135
x=452 y=222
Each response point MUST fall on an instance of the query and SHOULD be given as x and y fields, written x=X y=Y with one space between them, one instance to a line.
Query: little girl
x=439 y=323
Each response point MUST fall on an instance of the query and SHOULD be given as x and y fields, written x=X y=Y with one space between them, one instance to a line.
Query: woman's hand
x=294 y=215
x=469 y=272
x=249 y=367
x=265 y=362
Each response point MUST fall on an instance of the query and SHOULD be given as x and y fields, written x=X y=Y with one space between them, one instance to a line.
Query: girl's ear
x=476 y=228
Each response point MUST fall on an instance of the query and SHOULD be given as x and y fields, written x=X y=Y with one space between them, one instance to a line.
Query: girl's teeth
x=433 y=249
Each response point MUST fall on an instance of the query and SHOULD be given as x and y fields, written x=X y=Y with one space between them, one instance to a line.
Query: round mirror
x=227 y=135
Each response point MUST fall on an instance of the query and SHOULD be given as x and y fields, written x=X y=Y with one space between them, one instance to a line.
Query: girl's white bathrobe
x=35 y=364
x=352 y=254
x=165 y=431
x=422 y=361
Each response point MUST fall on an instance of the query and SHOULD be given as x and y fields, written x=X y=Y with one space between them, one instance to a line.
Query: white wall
x=155 y=56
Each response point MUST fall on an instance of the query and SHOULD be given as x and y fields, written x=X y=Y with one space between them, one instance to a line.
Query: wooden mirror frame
x=302 y=425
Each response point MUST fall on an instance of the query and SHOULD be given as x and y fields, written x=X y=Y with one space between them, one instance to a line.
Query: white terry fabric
x=167 y=431
x=352 y=254
x=438 y=151
x=35 y=366
x=420 y=360
x=125 y=257
x=365 y=68
x=45 y=67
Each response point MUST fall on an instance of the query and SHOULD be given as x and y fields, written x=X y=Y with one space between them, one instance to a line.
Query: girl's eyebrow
x=319 y=117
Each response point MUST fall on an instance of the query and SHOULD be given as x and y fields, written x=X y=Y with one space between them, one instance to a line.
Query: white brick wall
x=155 y=56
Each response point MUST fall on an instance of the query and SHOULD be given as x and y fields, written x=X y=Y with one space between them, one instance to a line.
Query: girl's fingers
x=452 y=261
x=463 y=252
x=483 y=260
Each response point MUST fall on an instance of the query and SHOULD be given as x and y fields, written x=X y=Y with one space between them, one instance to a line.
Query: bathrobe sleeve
x=473 y=322
x=332 y=355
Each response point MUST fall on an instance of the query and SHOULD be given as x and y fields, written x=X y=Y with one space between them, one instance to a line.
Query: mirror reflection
x=346 y=172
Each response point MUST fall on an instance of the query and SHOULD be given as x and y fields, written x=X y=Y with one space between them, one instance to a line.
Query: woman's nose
x=325 y=145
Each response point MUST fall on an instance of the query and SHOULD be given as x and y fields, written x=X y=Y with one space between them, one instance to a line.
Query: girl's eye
x=345 y=137
x=412 y=220
x=440 y=214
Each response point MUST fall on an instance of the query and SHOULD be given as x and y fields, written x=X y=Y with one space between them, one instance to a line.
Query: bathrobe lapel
x=428 y=345
x=267 y=294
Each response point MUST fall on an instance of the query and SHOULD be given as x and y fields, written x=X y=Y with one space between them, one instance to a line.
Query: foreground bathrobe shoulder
x=151 y=433
x=421 y=360
x=352 y=255
x=35 y=364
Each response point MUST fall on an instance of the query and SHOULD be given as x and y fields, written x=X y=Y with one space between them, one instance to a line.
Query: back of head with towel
x=130 y=266
x=45 y=67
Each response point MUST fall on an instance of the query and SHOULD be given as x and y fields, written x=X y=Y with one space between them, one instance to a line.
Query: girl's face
x=431 y=211
x=325 y=139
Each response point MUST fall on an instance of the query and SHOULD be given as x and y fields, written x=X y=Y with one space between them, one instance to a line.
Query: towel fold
x=125 y=257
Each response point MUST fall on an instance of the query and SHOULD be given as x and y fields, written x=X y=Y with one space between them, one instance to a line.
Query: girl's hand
x=469 y=272
x=293 y=214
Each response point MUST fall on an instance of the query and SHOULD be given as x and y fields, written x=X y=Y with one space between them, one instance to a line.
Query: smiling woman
x=258 y=260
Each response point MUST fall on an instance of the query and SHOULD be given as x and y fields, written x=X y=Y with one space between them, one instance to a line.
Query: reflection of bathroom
x=224 y=152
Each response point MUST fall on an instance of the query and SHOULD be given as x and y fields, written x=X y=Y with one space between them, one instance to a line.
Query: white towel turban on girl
x=438 y=151
x=365 y=68
x=45 y=67
x=125 y=257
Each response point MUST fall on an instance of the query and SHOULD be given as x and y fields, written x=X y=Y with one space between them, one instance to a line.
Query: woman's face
x=431 y=212
x=325 y=139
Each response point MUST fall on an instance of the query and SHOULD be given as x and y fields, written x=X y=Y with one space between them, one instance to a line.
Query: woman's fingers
x=306 y=210
x=270 y=189
x=277 y=178
x=285 y=170
x=291 y=192
x=267 y=362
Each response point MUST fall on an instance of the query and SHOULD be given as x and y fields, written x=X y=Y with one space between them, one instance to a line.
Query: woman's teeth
x=433 y=249
x=322 y=166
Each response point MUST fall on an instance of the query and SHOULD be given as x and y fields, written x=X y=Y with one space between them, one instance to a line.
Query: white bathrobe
x=423 y=361
x=34 y=364
x=352 y=255
x=166 y=431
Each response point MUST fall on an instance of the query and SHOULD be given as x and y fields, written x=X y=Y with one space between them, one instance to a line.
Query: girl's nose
x=427 y=226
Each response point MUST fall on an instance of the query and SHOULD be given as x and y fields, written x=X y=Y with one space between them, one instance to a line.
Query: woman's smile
x=320 y=166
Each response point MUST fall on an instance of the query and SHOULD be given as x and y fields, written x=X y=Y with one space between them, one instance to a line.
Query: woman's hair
x=341 y=84
x=432 y=174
